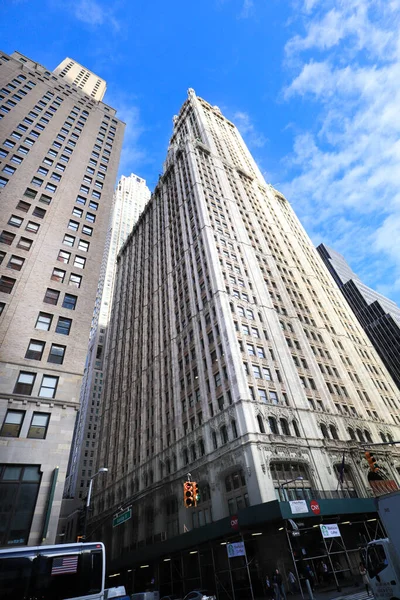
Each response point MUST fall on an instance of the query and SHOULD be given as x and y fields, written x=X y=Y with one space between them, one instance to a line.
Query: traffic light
x=189 y=494
x=196 y=492
x=371 y=460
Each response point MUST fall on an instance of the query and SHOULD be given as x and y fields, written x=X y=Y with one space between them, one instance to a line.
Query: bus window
x=15 y=574
x=377 y=560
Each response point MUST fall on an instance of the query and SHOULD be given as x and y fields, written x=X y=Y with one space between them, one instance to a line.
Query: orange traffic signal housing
x=189 y=494
x=371 y=460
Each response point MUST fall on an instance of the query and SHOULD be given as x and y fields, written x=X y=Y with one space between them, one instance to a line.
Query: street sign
x=122 y=517
x=330 y=531
x=236 y=549
x=315 y=507
x=235 y=522
x=298 y=507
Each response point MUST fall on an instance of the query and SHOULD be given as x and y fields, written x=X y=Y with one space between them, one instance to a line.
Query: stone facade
x=59 y=152
x=232 y=354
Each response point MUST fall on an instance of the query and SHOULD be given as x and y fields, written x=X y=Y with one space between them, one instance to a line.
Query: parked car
x=200 y=595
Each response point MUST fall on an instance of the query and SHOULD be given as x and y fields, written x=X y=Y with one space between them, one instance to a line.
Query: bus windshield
x=376 y=559
x=53 y=572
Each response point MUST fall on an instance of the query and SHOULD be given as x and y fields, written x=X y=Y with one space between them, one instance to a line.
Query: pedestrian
x=310 y=576
x=278 y=586
x=292 y=582
x=269 y=588
x=364 y=576
x=324 y=571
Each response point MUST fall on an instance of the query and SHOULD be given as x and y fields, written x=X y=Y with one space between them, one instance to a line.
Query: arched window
x=296 y=429
x=202 y=449
x=367 y=435
x=193 y=452
x=390 y=438
x=324 y=432
x=185 y=456
x=285 y=427
x=151 y=476
x=234 y=428
x=175 y=464
x=291 y=480
x=360 y=435
x=162 y=469
x=260 y=424
x=215 y=440
x=168 y=466
x=273 y=425
x=383 y=437
x=334 y=432
x=224 y=434
x=352 y=434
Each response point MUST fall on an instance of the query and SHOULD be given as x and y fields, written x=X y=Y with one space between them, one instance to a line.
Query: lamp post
x=282 y=491
x=101 y=470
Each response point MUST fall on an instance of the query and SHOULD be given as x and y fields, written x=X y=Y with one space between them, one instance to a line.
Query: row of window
x=36 y=348
x=26 y=381
x=14 y=419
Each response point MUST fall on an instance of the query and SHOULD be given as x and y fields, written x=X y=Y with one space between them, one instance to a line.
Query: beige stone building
x=233 y=356
x=59 y=153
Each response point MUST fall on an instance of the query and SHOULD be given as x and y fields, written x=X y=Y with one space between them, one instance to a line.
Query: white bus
x=59 y=572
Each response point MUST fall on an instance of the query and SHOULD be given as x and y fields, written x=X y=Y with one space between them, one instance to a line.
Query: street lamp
x=300 y=478
x=101 y=470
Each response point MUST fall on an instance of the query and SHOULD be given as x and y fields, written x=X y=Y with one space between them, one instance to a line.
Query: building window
x=74 y=225
x=75 y=280
x=87 y=230
x=15 y=221
x=6 y=237
x=63 y=326
x=39 y=212
x=6 y=284
x=69 y=240
x=56 y=354
x=24 y=243
x=79 y=262
x=20 y=485
x=44 y=321
x=58 y=275
x=290 y=473
x=69 y=301
x=48 y=386
x=224 y=434
x=12 y=423
x=15 y=263
x=83 y=245
x=51 y=296
x=35 y=350
x=39 y=425
x=25 y=382
x=33 y=227
x=273 y=425
x=64 y=256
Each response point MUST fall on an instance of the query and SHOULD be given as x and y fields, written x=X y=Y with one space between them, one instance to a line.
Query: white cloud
x=95 y=13
x=344 y=173
x=133 y=156
x=247 y=9
x=243 y=122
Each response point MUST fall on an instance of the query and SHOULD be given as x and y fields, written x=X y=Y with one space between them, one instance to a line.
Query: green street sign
x=122 y=517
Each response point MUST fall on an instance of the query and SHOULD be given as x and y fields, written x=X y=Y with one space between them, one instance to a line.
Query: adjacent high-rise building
x=379 y=316
x=59 y=153
x=130 y=198
x=73 y=73
x=231 y=356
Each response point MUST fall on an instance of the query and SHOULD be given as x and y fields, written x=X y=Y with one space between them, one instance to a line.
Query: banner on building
x=236 y=549
x=384 y=486
x=298 y=507
x=330 y=531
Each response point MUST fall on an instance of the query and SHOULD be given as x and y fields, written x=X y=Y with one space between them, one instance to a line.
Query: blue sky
x=313 y=85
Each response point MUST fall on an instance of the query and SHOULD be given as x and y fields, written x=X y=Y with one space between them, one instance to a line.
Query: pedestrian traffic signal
x=371 y=460
x=189 y=494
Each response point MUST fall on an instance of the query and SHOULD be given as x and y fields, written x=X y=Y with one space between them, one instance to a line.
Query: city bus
x=59 y=572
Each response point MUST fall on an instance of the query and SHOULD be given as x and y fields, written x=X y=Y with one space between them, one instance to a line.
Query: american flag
x=64 y=564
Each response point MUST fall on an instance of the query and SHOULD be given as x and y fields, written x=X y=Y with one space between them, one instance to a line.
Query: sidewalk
x=349 y=591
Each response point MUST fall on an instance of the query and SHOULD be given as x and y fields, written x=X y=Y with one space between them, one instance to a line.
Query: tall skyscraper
x=130 y=198
x=379 y=316
x=59 y=153
x=232 y=356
